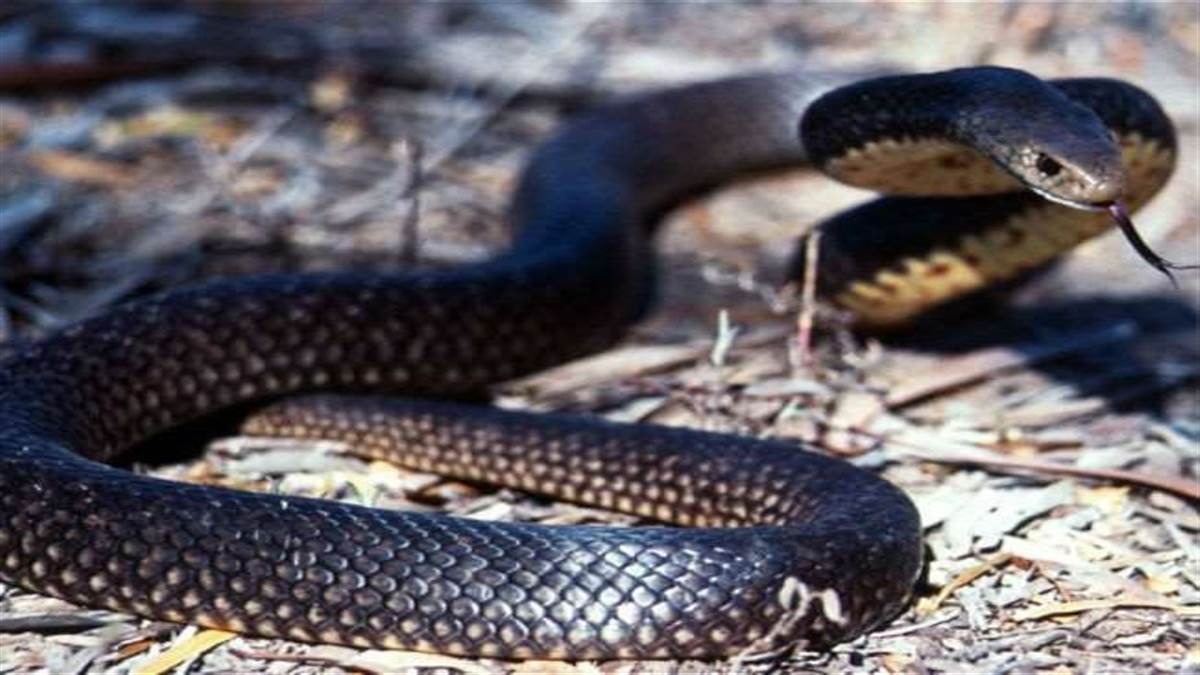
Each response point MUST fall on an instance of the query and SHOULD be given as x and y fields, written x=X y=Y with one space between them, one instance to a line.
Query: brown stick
x=808 y=301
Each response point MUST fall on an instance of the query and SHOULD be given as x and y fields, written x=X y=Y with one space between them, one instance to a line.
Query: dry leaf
x=184 y=650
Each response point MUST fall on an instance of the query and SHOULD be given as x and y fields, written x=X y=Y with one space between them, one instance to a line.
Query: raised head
x=1051 y=144
x=981 y=130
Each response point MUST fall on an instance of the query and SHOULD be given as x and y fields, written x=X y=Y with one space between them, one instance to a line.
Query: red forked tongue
x=1121 y=215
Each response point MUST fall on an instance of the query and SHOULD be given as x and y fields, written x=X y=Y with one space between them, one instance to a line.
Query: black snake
x=789 y=549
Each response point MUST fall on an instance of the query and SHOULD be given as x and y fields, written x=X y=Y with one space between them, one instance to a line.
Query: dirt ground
x=1050 y=438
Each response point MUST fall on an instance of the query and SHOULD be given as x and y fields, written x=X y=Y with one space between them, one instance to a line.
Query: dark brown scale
x=809 y=551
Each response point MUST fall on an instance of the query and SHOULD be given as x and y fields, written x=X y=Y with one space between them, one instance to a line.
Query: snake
x=757 y=546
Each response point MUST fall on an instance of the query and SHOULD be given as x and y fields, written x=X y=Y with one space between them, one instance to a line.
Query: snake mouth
x=1072 y=203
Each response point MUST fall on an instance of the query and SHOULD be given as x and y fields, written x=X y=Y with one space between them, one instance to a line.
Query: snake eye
x=1048 y=166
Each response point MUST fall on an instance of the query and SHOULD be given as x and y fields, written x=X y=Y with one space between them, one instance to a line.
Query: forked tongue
x=1119 y=213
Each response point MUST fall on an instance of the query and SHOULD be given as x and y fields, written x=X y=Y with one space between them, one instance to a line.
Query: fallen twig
x=808 y=301
x=1079 y=606
x=929 y=447
x=964 y=578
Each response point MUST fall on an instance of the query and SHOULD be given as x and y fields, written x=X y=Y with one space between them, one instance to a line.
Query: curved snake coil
x=790 y=549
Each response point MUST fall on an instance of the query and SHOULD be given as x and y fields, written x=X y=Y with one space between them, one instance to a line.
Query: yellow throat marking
x=1024 y=241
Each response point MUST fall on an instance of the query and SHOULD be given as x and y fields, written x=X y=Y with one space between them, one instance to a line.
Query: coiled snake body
x=790 y=549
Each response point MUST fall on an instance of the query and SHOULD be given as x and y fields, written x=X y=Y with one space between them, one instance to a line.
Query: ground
x=1049 y=445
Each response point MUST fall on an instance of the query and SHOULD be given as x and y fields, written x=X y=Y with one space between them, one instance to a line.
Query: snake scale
x=788 y=549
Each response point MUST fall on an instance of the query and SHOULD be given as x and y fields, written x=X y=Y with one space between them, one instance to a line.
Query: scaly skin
x=793 y=549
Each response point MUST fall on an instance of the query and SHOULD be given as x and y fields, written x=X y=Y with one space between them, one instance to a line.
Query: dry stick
x=904 y=630
x=1080 y=606
x=804 y=320
x=51 y=622
x=1183 y=487
x=966 y=577
x=375 y=662
x=948 y=452
x=306 y=659
x=727 y=333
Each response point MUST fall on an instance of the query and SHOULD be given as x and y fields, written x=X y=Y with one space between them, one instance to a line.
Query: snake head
x=1057 y=147
x=1054 y=146
x=1072 y=169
